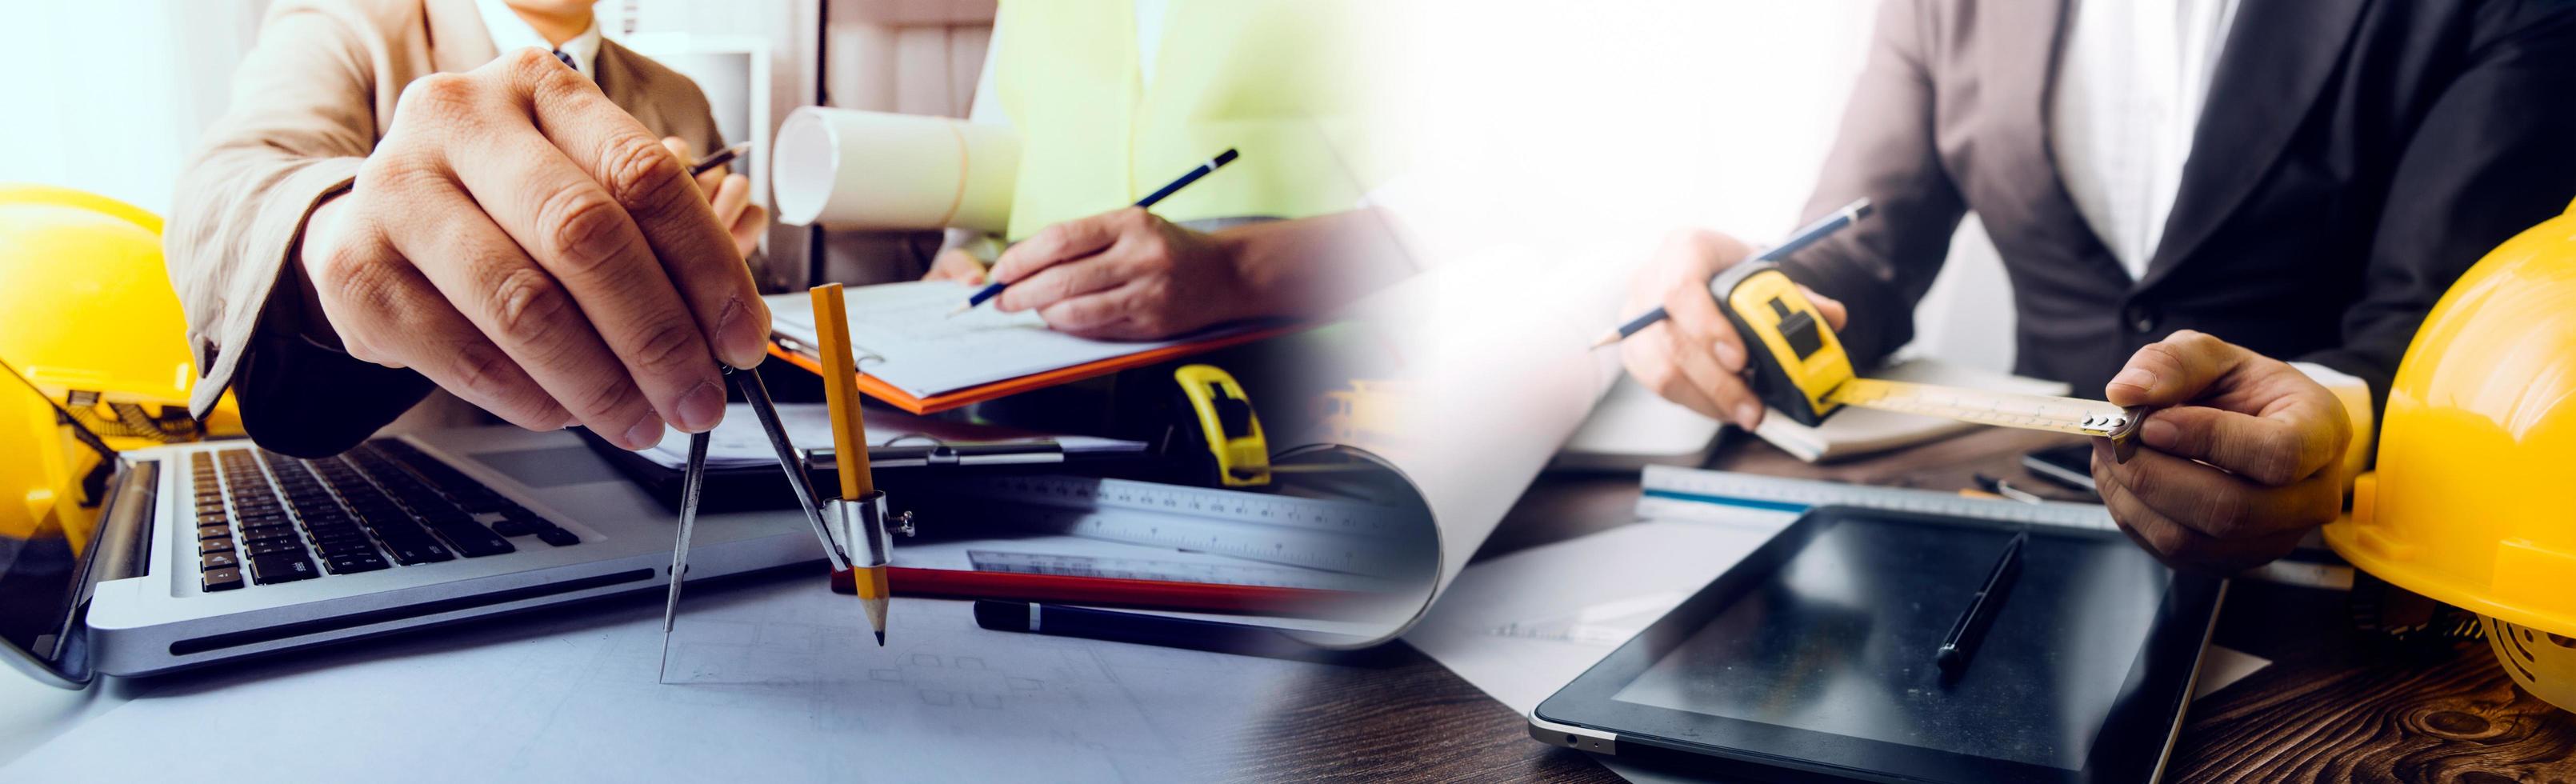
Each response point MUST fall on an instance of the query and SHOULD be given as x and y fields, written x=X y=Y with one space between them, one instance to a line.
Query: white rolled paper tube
x=849 y=169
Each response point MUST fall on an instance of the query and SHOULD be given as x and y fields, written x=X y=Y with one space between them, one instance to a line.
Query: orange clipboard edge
x=880 y=390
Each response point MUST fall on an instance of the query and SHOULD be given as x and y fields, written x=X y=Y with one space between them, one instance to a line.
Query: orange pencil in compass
x=860 y=512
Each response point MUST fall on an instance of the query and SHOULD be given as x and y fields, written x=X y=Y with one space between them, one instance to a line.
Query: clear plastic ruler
x=1207 y=572
x=1726 y=497
x=1342 y=536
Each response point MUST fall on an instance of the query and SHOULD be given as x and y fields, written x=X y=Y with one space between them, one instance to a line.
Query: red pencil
x=1105 y=591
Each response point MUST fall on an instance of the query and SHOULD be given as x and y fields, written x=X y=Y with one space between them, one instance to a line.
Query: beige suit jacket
x=309 y=102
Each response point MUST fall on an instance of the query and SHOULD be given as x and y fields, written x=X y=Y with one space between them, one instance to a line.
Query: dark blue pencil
x=1212 y=164
x=1822 y=228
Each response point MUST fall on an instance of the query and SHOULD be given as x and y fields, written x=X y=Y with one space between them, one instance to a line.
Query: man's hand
x=2244 y=454
x=1124 y=275
x=730 y=196
x=527 y=245
x=1693 y=357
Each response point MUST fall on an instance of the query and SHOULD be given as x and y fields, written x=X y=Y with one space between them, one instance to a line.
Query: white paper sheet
x=782 y=683
x=901 y=333
x=1619 y=580
x=1498 y=371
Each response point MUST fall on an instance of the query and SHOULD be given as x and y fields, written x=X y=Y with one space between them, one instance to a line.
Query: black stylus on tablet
x=1960 y=644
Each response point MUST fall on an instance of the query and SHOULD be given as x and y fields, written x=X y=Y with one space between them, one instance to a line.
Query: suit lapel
x=618 y=78
x=2021 y=68
x=2279 y=55
x=457 y=40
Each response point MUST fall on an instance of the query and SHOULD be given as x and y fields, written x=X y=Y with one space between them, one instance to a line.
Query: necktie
x=567 y=60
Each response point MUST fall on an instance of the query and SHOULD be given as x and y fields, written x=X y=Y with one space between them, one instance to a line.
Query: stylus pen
x=1212 y=164
x=1137 y=628
x=1822 y=228
x=1960 y=644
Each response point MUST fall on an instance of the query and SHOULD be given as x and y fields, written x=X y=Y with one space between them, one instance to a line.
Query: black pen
x=1212 y=164
x=722 y=157
x=1961 y=643
x=1822 y=228
x=1138 y=628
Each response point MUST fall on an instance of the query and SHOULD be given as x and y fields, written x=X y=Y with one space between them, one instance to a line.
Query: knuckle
x=2224 y=510
x=526 y=305
x=530 y=66
x=611 y=394
x=665 y=346
x=2274 y=462
x=583 y=228
x=447 y=96
x=483 y=372
x=641 y=174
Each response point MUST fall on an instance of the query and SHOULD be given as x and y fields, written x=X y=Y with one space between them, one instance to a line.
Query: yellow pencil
x=850 y=448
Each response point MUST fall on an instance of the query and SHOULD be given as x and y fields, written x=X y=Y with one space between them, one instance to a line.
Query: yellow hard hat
x=87 y=314
x=2474 y=500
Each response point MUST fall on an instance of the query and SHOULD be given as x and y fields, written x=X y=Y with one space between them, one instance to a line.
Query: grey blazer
x=2354 y=157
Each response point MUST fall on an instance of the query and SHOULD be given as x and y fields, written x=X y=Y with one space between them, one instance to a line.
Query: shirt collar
x=511 y=33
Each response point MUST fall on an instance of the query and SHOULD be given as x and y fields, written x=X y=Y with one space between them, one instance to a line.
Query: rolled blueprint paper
x=848 y=169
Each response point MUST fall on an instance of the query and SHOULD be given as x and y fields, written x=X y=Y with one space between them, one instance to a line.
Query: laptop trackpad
x=551 y=467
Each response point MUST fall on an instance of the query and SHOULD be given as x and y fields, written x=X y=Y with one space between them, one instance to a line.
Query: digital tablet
x=1815 y=656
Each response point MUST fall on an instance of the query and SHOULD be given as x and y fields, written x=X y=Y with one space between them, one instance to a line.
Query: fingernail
x=2142 y=378
x=701 y=408
x=2158 y=433
x=1729 y=355
x=742 y=339
x=1748 y=415
x=645 y=433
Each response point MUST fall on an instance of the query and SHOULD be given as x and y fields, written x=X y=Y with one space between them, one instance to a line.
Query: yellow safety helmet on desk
x=2474 y=500
x=86 y=312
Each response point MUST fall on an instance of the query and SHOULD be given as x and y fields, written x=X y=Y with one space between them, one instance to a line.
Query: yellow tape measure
x=1799 y=369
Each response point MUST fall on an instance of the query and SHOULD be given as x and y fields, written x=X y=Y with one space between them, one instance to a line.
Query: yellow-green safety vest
x=1288 y=83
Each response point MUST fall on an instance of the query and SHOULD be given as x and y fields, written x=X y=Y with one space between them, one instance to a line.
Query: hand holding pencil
x=1120 y=275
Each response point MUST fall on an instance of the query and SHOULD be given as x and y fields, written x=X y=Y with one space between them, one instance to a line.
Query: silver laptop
x=169 y=557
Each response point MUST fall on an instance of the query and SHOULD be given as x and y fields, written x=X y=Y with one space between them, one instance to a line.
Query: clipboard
x=917 y=353
x=797 y=353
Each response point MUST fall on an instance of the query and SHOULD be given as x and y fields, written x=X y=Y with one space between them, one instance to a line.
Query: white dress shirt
x=511 y=33
x=2128 y=96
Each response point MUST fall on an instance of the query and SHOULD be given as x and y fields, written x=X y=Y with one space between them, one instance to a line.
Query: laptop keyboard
x=265 y=518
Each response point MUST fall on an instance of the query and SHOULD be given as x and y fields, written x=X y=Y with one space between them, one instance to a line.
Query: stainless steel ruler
x=1739 y=499
x=1342 y=536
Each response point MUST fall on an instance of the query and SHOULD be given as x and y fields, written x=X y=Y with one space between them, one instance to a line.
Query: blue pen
x=1822 y=228
x=1212 y=164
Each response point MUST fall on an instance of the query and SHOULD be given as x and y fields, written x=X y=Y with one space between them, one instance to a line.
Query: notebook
x=914 y=355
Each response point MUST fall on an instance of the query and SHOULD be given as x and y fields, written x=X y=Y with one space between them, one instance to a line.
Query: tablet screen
x=1840 y=640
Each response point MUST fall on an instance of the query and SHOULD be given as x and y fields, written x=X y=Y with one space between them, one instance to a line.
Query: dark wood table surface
x=2327 y=709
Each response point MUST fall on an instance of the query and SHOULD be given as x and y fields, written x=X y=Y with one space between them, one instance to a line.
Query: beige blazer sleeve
x=302 y=118
x=308 y=104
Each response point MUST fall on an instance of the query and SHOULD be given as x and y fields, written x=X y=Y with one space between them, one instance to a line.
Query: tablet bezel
x=2130 y=746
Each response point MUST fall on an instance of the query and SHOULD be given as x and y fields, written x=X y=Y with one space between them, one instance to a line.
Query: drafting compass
x=865 y=520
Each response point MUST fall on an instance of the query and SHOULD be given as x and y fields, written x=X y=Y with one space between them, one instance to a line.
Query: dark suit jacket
x=2354 y=157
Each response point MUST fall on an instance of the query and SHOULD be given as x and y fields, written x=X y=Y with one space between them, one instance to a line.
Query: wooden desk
x=2324 y=711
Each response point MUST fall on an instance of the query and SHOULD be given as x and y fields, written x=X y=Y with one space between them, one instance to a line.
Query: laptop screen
x=53 y=478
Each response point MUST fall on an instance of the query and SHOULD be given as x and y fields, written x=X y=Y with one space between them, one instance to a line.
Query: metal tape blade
x=2074 y=416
